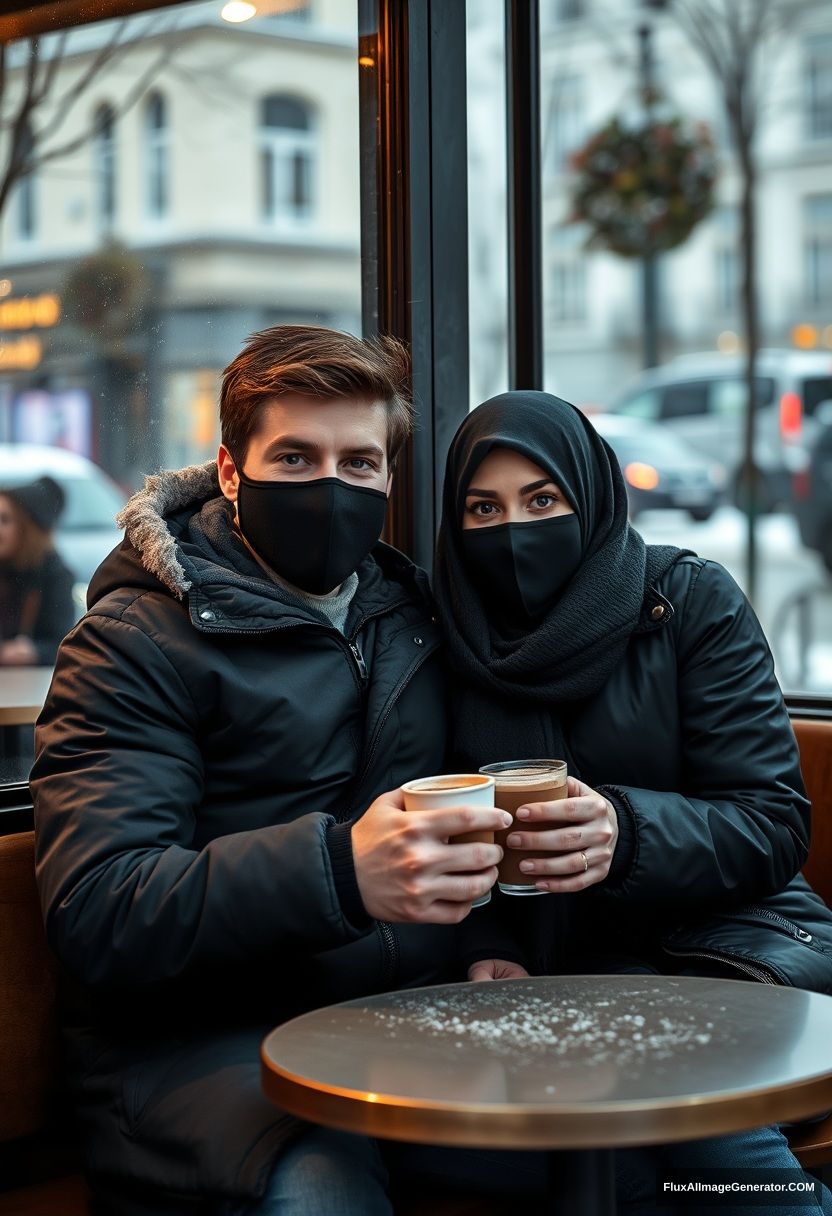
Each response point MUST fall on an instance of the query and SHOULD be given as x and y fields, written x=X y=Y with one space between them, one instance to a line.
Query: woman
x=680 y=844
x=36 y=607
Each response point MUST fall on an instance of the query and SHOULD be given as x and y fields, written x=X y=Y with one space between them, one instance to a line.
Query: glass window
x=685 y=399
x=487 y=237
x=818 y=77
x=26 y=201
x=643 y=404
x=816 y=390
x=111 y=351
x=104 y=149
x=566 y=121
x=728 y=396
x=727 y=259
x=157 y=152
x=568 y=287
x=570 y=10
x=817 y=220
x=288 y=148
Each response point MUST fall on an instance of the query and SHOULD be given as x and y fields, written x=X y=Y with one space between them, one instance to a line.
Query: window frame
x=156 y=147
x=284 y=148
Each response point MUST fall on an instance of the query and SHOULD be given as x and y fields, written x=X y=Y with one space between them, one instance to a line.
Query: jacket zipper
x=386 y=930
x=801 y=934
x=359 y=661
x=373 y=747
x=391 y=951
x=757 y=973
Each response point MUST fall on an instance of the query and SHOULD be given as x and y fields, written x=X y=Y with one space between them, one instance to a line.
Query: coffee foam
x=441 y=784
x=528 y=779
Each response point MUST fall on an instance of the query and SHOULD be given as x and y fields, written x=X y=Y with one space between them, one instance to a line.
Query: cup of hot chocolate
x=453 y=789
x=519 y=782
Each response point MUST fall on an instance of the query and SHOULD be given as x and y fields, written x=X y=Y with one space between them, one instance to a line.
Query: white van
x=702 y=399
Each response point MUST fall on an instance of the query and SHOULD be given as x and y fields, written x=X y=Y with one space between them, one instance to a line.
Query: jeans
x=341 y=1174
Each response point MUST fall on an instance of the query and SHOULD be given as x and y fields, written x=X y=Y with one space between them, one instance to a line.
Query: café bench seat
x=28 y=1036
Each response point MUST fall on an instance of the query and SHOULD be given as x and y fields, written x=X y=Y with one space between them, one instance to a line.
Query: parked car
x=813 y=491
x=661 y=471
x=87 y=530
x=701 y=398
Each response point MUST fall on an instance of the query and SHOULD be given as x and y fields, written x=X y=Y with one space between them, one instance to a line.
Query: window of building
x=817 y=220
x=727 y=261
x=818 y=78
x=105 y=165
x=157 y=146
x=26 y=192
x=570 y=10
x=567 y=123
x=288 y=149
x=567 y=275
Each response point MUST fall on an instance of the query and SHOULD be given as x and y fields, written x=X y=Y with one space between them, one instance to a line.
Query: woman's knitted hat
x=42 y=500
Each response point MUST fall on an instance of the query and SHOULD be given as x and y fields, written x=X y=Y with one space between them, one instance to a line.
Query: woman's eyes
x=540 y=502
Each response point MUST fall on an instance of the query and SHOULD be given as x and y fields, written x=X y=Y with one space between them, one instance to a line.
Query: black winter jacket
x=37 y=604
x=203 y=738
x=691 y=741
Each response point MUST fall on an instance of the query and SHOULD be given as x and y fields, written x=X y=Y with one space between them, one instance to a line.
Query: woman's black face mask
x=312 y=533
x=522 y=568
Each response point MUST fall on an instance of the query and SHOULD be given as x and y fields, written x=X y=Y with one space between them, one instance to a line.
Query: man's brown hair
x=314 y=362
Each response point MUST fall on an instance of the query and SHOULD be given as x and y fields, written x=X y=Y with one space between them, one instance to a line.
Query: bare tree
x=34 y=107
x=736 y=40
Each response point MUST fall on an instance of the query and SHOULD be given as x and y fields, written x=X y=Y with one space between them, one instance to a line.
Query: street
x=795 y=591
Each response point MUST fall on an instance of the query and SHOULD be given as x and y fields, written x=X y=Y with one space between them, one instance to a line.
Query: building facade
x=213 y=191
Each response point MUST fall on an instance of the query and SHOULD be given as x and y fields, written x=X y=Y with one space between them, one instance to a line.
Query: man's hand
x=408 y=871
x=18 y=652
x=496 y=969
x=587 y=828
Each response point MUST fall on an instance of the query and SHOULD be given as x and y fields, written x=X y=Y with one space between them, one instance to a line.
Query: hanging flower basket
x=643 y=189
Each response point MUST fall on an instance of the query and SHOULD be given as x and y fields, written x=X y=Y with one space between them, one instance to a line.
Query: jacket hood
x=157 y=546
x=145 y=519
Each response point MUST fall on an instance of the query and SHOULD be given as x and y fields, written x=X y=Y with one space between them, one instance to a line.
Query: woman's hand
x=18 y=652
x=496 y=969
x=587 y=827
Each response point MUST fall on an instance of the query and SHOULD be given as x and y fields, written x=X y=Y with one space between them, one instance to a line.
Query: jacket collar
x=156 y=525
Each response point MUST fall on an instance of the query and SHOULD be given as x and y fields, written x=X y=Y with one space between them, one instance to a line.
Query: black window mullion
x=415 y=230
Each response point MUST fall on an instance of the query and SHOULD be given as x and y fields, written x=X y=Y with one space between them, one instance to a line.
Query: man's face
x=302 y=439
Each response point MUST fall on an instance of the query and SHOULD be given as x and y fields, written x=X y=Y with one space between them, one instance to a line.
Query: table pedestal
x=582 y=1181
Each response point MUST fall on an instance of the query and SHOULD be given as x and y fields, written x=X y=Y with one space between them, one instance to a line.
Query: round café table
x=22 y=694
x=577 y=1064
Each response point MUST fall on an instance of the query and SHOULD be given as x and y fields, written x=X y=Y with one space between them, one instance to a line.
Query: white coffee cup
x=453 y=789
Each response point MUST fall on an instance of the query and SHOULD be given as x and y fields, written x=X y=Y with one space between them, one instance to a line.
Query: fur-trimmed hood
x=144 y=519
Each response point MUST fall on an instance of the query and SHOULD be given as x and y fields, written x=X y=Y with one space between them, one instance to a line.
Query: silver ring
x=586 y=861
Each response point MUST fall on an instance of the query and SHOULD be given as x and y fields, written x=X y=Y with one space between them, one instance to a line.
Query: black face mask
x=522 y=567
x=312 y=533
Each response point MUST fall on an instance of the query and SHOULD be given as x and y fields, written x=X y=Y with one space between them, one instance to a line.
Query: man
x=216 y=851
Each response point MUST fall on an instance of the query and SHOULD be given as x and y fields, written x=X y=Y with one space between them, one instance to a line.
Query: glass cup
x=453 y=789
x=518 y=783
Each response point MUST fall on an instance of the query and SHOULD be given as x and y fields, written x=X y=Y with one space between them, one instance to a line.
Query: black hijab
x=513 y=686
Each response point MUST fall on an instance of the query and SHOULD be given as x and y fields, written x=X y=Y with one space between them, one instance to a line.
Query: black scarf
x=513 y=687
